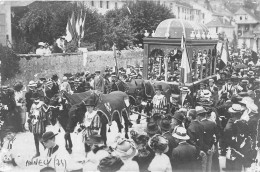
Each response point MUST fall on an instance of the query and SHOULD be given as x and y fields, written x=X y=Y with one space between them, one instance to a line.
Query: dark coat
x=55 y=88
x=28 y=99
x=184 y=158
x=211 y=134
x=195 y=131
x=171 y=142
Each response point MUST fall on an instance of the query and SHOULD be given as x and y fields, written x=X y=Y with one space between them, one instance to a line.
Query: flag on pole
x=185 y=65
x=128 y=10
x=83 y=26
x=68 y=32
x=73 y=24
x=224 y=56
x=78 y=25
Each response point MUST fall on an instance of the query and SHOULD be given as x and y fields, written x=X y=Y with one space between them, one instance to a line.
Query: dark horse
x=110 y=107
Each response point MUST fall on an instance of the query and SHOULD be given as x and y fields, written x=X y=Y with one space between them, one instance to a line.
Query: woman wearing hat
x=159 y=101
x=36 y=121
x=20 y=109
x=125 y=149
x=110 y=164
x=161 y=162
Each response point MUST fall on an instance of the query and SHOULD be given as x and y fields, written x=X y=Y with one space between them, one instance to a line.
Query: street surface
x=24 y=148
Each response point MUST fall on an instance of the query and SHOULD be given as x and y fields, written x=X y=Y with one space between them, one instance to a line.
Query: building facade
x=248 y=28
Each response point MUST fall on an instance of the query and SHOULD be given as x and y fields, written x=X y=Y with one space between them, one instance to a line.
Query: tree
x=46 y=21
x=141 y=15
x=146 y=16
x=9 y=63
x=119 y=33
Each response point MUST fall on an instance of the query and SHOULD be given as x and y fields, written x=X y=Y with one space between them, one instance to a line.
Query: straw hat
x=181 y=133
x=235 y=108
x=124 y=148
x=200 y=110
x=32 y=84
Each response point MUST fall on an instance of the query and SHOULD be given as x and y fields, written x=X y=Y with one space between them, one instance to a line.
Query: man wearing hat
x=99 y=82
x=195 y=130
x=159 y=101
x=210 y=137
x=228 y=88
x=203 y=92
x=152 y=129
x=165 y=127
x=184 y=156
x=177 y=120
x=65 y=86
x=55 y=152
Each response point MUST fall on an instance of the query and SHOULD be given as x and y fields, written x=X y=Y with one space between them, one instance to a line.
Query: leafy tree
x=146 y=15
x=119 y=33
x=141 y=15
x=9 y=63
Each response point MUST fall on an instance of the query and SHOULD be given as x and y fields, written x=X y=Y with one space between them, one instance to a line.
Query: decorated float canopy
x=175 y=28
x=163 y=52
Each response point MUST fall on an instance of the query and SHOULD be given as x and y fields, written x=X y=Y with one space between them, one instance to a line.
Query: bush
x=9 y=63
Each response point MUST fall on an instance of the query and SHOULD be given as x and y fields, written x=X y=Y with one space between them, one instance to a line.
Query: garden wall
x=34 y=67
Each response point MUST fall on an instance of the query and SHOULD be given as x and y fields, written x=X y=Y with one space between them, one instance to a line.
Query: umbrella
x=240 y=66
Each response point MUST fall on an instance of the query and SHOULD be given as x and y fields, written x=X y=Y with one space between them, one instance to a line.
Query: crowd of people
x=221 y=118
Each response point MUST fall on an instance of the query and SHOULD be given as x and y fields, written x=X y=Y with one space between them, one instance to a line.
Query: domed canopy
x=177 y=27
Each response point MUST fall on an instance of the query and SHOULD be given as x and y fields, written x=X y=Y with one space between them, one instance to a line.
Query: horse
x=110 y=107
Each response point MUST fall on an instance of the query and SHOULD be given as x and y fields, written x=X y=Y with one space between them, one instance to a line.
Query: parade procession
x=180 y=98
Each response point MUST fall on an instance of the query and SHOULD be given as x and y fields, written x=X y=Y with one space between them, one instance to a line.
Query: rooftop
x=219 y=22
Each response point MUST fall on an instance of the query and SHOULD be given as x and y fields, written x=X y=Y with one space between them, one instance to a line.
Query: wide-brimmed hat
x=97 y=71
x=184 y=89
x=250 y=73
x=124 y=148
x=211 y=80
x=41 y=44
x=110 y=163
x=94 y=139
x=152 y=128
x=165 y=125
x=181 y=133
x=32 y=84
x=158 y=87
x=235 y=108
x=158 y=143
x=205 y=103
x=200 y=110
x=244 y=81
x=4 y=87
x=47 y=136
x=246 y=100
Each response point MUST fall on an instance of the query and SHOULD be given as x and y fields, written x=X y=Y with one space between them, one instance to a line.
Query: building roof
x=255 y=16
x=218 y=22
x=183 y=4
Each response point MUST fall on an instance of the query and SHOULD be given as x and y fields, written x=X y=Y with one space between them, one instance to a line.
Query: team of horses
x=69 y=109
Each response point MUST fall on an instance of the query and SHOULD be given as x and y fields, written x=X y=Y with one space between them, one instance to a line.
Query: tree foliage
x=9 y=63
x=142 y=15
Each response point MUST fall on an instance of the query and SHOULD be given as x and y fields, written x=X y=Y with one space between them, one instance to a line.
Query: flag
x=68 y=32
x=83 y=26
x=224 y=56
x=128 y=10
x=185 y=65
x=78 y=25
x=73 y=24
x=182 y=42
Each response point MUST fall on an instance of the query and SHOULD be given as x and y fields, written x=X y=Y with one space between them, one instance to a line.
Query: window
x=115 y=4
x=240 y=17
x=101 y=4
x=92 y=3
x=107 y=4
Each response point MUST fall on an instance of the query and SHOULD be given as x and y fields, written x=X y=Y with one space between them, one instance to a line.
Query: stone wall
x=34 y=67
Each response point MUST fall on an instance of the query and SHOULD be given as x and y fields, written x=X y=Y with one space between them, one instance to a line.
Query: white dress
x=160 y=163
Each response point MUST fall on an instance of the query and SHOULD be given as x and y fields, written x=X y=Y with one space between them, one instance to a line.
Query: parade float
x=163 y=53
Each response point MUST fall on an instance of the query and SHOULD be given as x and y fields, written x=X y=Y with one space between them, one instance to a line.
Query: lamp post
x=201 y=67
